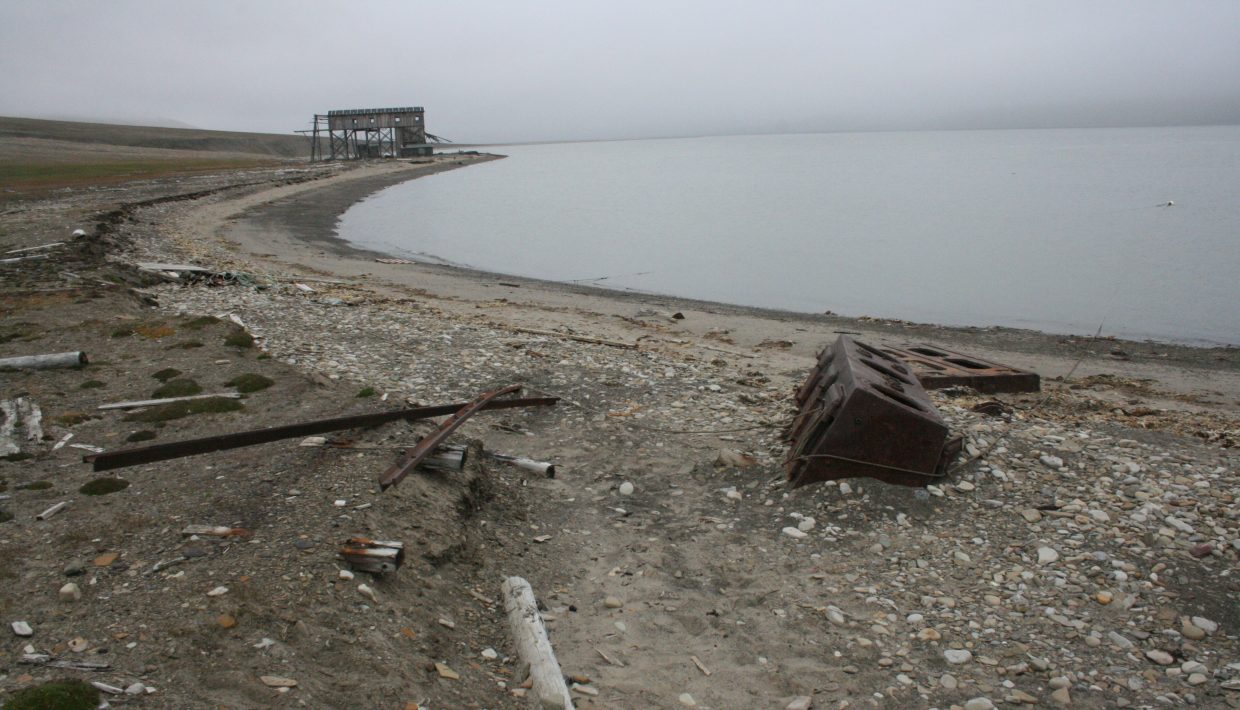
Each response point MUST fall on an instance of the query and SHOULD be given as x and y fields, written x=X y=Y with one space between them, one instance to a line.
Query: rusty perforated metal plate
x=937 y=368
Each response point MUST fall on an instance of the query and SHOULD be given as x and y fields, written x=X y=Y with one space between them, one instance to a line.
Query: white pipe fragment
x=75 y=358
x=167 y=400
x=52 y=510
x=541 y=467
x=530 y=635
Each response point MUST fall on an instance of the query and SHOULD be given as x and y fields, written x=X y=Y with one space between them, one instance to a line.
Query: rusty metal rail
x=862 y=413
x=178 y=449
x=397 y=472
x=937 y=368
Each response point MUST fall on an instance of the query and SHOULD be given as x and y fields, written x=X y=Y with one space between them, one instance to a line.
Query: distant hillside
x=268 y=144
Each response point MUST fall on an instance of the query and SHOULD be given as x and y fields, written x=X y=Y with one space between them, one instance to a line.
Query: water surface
x=1058 y=230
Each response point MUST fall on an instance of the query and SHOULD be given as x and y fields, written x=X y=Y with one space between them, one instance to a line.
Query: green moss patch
x=186 y=345
x=239 y=339
x=33 y=486
x=155 y=332
x=92 y=384
x=177 y=410
x=103 y=486
x=5 y=516
x=19 y=456
x=366 y=392
x=166 y=374
x=144 y=435
x=71 y=418
x=200 y=323
x=56 y=695
x=250 y=383
x=183 y=387
x=20 y=331
x=122 y=332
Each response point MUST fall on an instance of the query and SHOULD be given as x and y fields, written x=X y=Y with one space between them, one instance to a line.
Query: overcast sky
x=579 y=69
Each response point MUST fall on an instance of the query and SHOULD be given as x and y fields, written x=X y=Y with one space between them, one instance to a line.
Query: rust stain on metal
x=366 y=555
x=937 y=368
x=863 y=413
x=177 y=449
x=415 y=455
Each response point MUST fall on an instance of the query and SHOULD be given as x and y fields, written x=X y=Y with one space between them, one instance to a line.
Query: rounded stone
x=1162 y=658
x=957 y=656
x=70 y=593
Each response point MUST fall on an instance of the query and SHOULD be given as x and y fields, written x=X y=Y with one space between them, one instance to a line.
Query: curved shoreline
x=295 y=230
x=315 y=222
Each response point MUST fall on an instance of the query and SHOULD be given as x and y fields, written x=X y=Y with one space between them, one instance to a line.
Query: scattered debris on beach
x=1082 y=551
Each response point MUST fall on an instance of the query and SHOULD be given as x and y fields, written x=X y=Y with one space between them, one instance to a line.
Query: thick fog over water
x=564 y=69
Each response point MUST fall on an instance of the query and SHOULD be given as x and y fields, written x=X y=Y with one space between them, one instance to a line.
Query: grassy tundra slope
x=37 y=156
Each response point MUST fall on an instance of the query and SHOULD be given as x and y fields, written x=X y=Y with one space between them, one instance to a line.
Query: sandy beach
x=1085 y=556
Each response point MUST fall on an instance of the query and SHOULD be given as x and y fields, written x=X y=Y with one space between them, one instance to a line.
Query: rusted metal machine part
x=937 y=368
x=862 y=413
x=447 y=458
x=423 y=448
x=177 y=449
x=374 y=556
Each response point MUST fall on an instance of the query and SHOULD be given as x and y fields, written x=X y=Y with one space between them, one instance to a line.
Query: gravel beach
x=1084 y=554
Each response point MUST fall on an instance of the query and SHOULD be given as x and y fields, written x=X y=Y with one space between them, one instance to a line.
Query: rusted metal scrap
x=414 y=456
x=447 y=458
x=937 y=368
x=863 y=413
x=452 y=458
x=174 y=450
x=374 y=556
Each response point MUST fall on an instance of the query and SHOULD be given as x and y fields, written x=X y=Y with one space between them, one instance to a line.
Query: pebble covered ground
x=1069 y=563
x=1082 y=554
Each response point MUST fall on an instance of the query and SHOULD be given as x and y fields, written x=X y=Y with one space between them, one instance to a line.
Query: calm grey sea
x=1057 y=230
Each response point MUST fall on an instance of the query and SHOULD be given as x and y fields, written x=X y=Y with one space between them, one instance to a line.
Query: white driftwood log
x=41 y=247
x=167 y=400
x=578 y=338
x=19 y=412
x=52 y=510
x=44 y=362
x=30 y=257
x=32 y=419
x=534 y=648
x=8 y=428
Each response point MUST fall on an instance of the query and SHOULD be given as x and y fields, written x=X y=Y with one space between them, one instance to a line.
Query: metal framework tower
x=354 y=134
